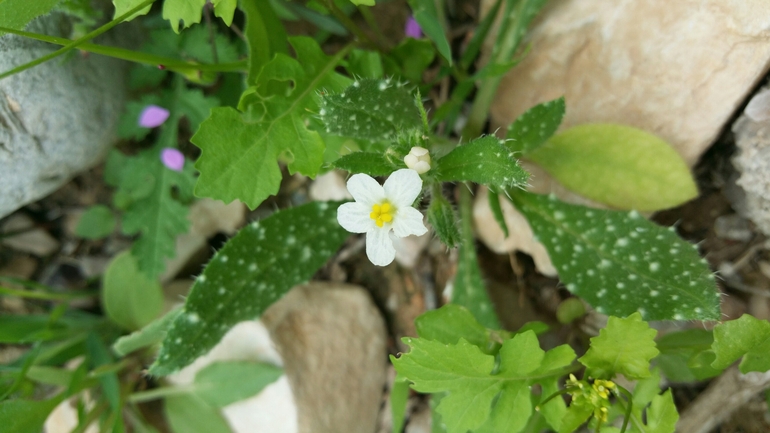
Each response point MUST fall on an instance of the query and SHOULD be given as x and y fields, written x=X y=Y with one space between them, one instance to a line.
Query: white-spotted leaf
x=253 y=270
x=486 y=161
x=533 y=128
x=620 y=263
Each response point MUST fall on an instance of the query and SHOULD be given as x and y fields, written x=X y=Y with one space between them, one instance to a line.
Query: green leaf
x=485 y=161
x=99 y=356
x=465 y=373
x=187 y=413
x=25 y=416
x=130 y=298
x=427 y=16
x=265 y=36
x=363 y=2
x=152 y=333
x=225 y=9
x=555 y=410
x=16 y=14
x=662 y=414
x=686 y=356
x=195 y=106
x=621 y=166
x=410 y=59
x=155 y=212
x=96 y=222
x=28 y=328
x=196 y=43
x=621 y=263
x=371 y=110
x=371 y=163
x=187 y=11
x=226 y=382
x=497 y=211
x=364 y=63
x=240 y=151
x=123 y=6
x=254 y=269
x=444 y=221
x=533 y=128
x=746 y=337
x=451 y=323
x=625 y=347
x=399 y=396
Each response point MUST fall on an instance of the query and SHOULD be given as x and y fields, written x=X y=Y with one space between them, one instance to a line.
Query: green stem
x=77 y=42
x=171 y=64
x=36 y=293
x=628 y=410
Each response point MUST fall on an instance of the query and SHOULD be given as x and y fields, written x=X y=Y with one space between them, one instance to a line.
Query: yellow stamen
x=382 y=213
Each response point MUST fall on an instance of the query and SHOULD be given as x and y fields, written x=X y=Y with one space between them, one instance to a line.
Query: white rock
x=329 y=186
x=678 y=69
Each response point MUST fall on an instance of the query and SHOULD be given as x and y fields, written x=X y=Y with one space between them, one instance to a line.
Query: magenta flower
x=172 y=158
x=412 y=28
x=153 y=116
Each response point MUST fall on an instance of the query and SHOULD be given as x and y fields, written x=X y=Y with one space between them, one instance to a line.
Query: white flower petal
x=365 y=190
x=379 y=247
x=354 y=217
x=408 y=221
x=402 y=187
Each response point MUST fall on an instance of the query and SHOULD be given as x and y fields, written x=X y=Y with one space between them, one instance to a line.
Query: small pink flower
x=153 y=116
x=172 y=158
x=412 y=28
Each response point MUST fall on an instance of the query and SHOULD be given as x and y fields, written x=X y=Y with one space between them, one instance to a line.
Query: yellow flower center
x=382 y=213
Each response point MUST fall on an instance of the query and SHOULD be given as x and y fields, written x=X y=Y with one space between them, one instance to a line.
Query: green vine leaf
x=533 y=128
x=187 y=11
x=621 y=166
x=620 y=263
x=240 y=150
x=155 y=208
x=625 y=347
x=253 y=270
x=485 y=161
x=371 y=163
x=371 y=109
x=746 y=337
x=465 y=373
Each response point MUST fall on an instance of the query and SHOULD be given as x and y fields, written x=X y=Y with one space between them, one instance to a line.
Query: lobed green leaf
x=485 y=161
x=449 y=324
x=625 y=347
x=620 y=263
x=746 y=337
x=371 y=109
x=16 y=14
x=533 y=128
x=189 y=12
x=621 y=166
x=253 y=270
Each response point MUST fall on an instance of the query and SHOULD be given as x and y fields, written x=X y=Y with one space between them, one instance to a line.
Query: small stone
x=31 y=240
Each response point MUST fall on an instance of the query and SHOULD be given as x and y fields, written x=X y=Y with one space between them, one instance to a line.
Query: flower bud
x=418 y=159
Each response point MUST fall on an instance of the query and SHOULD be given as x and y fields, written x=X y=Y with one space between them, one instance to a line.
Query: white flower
x=380 y=209
x=418 y=159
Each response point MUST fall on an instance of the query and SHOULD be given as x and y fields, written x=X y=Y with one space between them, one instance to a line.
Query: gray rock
x=56 y=119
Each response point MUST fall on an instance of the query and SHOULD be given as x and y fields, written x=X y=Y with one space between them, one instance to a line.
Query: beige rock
x=34 y=241
x=329 y=186
x=678 y=69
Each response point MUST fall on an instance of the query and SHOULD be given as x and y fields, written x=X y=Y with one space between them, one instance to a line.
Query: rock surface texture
x=676 y=69
x=56 y=119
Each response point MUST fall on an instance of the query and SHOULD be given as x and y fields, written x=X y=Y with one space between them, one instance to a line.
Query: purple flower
x=172 y=158
x=153 y=116
x=412 y=28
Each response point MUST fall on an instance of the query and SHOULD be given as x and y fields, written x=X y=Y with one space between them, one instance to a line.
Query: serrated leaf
x=187 y=11
x=426 y=14
x=254 y=269
x=746 y=337
x=621 y=263
x=189 y=413
x=130 y=298
x=150 y=334
x=449 y=324
x=662 y=414
x=156 y=212
x=625 y=347
x=533 y=128
x=16 y=14
x=464 y=372
x=371 y=109
x=621 y=166
x=195 y=106
x=485 y=161
x=96 y=222
x=240 y=151
x=226 y=382
x=123 y=6
x=225 y=9
x=265 y=36
x=371 y=163
x=686 y=356
x=444 y=221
